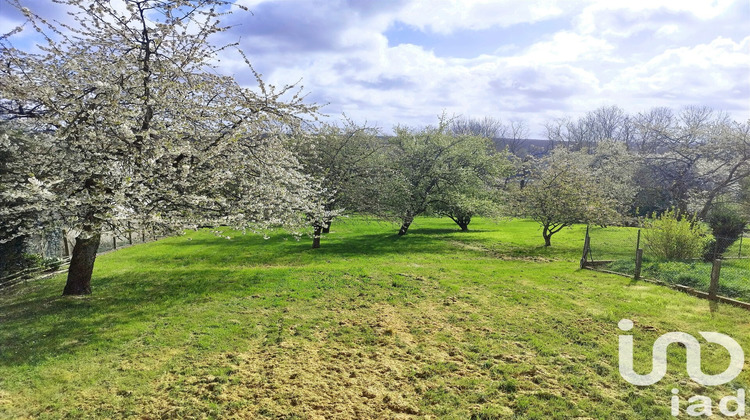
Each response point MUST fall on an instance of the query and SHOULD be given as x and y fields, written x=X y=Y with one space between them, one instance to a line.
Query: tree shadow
x=39 y=324
x=442 y=231
x=42 y=327
x=713 y=306
x=258 y=251
x=140 y=284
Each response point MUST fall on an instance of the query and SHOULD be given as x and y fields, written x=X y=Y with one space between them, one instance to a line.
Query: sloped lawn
x=436 y=324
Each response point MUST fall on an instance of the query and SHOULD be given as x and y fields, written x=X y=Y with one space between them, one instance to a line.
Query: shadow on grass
x=434 y=231
x=42 y=327
x=252 y=250
x=139 y=285
x=143 y=283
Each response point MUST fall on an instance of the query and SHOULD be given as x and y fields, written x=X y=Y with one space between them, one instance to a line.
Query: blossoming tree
x=348 y=162
x=142 y=128
x=433 y=168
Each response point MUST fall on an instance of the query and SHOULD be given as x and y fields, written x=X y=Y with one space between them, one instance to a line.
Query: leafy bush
x=52 y=264
x=32 y=261
x=727 y=226
x=29 y=261
x=672 y=236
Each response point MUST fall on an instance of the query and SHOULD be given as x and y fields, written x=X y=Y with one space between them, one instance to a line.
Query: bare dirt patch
x=326 y=379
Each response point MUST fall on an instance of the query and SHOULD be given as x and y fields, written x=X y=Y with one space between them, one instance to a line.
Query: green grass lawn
x=439 y=323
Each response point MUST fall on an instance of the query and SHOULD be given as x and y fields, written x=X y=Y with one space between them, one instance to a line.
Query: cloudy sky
x=405 y=61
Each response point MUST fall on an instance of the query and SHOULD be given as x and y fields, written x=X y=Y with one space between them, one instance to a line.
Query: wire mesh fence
x=721 y=267
x=611 y=243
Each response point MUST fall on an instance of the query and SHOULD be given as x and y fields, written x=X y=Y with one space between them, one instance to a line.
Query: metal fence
x=720 y=276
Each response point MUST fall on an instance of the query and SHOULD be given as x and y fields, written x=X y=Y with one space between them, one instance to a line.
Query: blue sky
x=406 y=61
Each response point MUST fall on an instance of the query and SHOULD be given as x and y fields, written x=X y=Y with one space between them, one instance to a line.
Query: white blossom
x=123 y=123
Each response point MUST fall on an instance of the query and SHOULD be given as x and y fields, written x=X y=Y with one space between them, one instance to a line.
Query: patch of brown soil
x=327 y=379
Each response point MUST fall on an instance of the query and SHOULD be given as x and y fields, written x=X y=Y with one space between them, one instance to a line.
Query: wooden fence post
x=114 y=241
x=638 y=257
x=739 y=254
x=586 y=248
x=638 y=261
x=66 y=248
x=638 y=242
x=715 y=272
x=130 y=234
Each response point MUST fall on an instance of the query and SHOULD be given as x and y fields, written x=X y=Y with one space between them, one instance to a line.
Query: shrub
x=52 y=264
x=727 y=225
x=672 y=236
x=32 y=261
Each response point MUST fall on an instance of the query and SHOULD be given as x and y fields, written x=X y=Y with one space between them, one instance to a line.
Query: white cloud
x=447 y=16
x=563 y=73
x=667 y=30
x=411 y=85
x=567 y=47
x=636 y=54
x=597 y=17
x=714 y=74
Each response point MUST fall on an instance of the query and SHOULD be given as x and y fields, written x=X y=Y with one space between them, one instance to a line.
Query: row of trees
x=690 y=161
x=418 y=170
x=610 y=167
x=687 y=159
x=121 y=119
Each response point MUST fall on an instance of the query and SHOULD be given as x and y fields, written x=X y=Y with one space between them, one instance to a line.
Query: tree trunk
x=463 y=222
x=82 y=265
x=327 y=227
x=706 y=208
x=316 y=237
x=547 y=236
x=405 y=226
